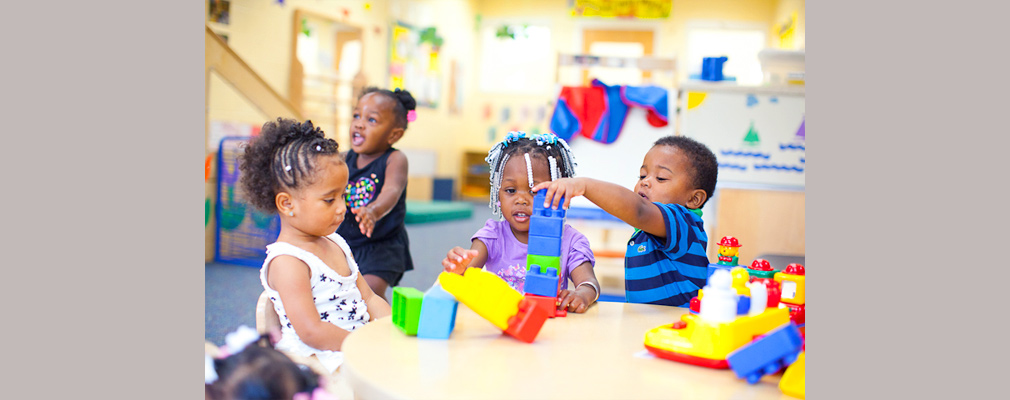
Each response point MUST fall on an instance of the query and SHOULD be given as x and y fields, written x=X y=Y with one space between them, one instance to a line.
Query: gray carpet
x=232 y=290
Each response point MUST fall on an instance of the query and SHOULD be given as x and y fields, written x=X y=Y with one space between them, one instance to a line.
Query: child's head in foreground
x=293 y=169
x=380 y=118
x=260 y=373
x=548 y=158
x=678 y=170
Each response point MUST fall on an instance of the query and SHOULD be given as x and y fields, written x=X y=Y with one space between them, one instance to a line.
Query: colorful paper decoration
x=752 y=136
x=802 y=132
x=694 y=99
x=752 y=100
x=641 y=9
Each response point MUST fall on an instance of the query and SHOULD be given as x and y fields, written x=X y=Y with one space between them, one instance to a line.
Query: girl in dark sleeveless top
x=376 y=187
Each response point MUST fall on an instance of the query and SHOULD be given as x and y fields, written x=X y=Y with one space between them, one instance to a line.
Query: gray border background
x=102 y=158
x=104 y=242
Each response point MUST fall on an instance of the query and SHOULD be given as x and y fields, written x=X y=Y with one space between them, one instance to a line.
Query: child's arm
x=377 y=307
x=582 y=297
x=617 y=200
x=396 y=182
x=458 y=259
x=290 y=277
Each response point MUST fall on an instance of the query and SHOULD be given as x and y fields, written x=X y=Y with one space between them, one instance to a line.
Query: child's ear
x=283 y=201
x=698 y=198
x=395 y=135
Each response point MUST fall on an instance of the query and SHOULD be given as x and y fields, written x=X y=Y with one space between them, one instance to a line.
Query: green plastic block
x=543 y=261
x=407 y=309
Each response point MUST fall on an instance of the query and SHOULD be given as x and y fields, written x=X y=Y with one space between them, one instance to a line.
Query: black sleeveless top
x=363 y=186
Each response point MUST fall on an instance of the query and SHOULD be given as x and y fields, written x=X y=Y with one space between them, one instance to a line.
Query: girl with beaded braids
x=377 y=188
x=309 y=274
x=517 y=164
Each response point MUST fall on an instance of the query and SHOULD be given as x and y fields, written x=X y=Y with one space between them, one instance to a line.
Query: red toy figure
x=761 y=269
x=729 y=247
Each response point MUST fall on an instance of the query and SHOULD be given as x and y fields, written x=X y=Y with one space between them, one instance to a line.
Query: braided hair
x=282 y=157
x=546 y=146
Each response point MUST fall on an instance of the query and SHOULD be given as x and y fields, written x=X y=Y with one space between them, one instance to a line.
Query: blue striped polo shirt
x=667 y=271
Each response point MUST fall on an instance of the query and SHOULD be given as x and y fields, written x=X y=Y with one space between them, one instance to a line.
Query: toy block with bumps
x=407 y=309
x=438 y=314
x=767 y=355
x=546 y=225
x=485 y=293
x=549 y=304
x=544 y=262
x=542 y=284
x=526 y=324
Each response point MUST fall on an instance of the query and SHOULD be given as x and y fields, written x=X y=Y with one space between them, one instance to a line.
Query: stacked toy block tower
x=543 y=258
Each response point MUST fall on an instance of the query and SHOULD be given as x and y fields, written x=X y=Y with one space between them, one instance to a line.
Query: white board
x=757 y=138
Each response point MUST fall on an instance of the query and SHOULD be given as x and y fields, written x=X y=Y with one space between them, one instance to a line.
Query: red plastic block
x=560 y=312
x=527 y=323
x=549 y=304
x=798 y=313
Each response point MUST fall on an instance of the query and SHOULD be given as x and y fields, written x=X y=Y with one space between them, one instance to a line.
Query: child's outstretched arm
x=579 y=299
x=396 y=182
x=459 y=259
x=290 y=277
x=377 y=307
x=617 y=200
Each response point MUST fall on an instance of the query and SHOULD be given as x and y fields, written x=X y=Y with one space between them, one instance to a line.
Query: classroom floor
x=232 y=290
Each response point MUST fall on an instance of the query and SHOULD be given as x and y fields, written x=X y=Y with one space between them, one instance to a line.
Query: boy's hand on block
x=457 y=259
x=365 y=218
x=574 y=302
x=562 y=188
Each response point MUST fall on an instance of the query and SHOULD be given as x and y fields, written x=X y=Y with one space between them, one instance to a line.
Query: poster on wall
x=642 y=9
x=414 y=63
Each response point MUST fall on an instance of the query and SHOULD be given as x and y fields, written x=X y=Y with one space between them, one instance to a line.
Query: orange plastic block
x=526 y=324
x=794 y=380
x=485 y=293
x=549 y=304
x=695 y=341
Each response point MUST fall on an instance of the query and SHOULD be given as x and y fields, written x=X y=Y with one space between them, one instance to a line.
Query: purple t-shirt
x=506 y=256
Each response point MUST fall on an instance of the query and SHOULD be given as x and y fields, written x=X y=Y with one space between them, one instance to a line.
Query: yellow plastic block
x=794 y=380
x=740 y=279
x=714 y=341
x=794 y=288
x=485 y=293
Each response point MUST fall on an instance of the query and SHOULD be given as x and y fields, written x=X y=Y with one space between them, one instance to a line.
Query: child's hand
x=566 y=187
x=457 y=259
x=365 y=218
x=573 y=301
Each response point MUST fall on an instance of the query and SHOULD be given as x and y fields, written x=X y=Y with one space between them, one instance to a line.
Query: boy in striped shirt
x=665 y=262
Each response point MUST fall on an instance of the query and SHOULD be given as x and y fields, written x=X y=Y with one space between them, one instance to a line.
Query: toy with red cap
x=729 y=247
x=794 y=293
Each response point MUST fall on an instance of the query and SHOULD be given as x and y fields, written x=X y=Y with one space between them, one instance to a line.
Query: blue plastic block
x=546 y=226
x=542 y=284
x=743 y=305
x=767 y=355
x=538 y=206
x=713 y=267
x=438 y=314
x=544 y=246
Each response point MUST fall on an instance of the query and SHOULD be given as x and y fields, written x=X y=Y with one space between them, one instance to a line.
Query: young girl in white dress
x=309 y=273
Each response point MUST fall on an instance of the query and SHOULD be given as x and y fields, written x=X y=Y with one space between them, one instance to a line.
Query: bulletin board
x=415 y=64
x=758 y=139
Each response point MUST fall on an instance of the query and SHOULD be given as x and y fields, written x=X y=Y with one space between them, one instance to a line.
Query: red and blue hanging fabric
x=598 y=111
x=651 y=98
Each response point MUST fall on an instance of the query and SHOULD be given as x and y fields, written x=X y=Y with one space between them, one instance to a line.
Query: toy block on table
x=549 y=304
x=438 y=314
x=767 y=355
x=543 y=261
x=407 y=309
x=544 y=245
x=485 y=293
x=794 y=380
x=526 y=324
x=542 y=284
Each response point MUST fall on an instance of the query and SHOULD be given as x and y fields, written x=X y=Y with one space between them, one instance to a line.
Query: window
x=520 y=65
